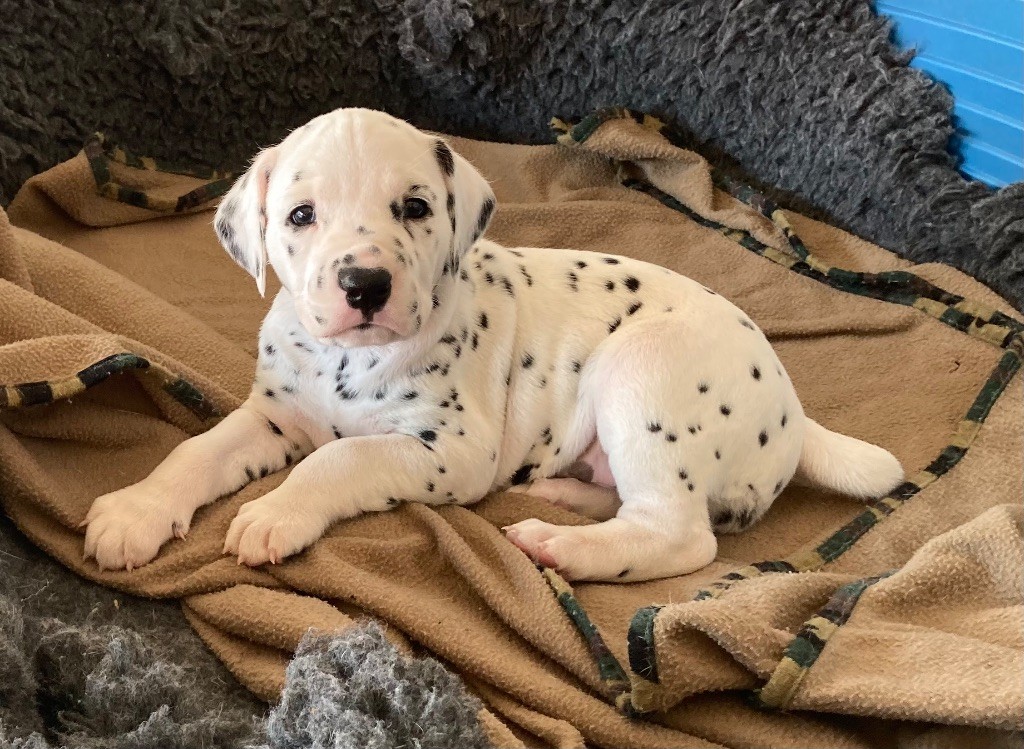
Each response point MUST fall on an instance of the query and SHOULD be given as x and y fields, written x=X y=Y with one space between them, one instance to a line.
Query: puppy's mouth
x=357 y=330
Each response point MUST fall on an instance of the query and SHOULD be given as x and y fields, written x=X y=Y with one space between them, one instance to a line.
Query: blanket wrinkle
x=124 y=329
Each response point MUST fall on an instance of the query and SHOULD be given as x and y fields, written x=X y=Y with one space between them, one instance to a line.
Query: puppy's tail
x=846 y=465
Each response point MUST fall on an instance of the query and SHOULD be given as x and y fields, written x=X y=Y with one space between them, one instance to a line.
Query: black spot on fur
x=634 y=308
x=702 y=387
x=527 y=361
x=526 y=275
x=683 y=475
x=614 y=324
x=654 y=427
x=623 y=573
x=762 y=438
x=249 y=474
x=428 y=435
x=631 y=283
x=689 y=486
x=411 y=395
x=445 y=160
x=611 y=260
x=747 y=324
x=610 y=285
x=362 y=230
x=723 y=518
x=337 y=432
x=483 y=320
x=718 y=454
x=269 y=348
x=522 y=474
x=755 y=372
x=275 y=428
x=430 y=486
x=269 y=393
x=692 y=430
x=669 y=437
x=725 y=410
x=778 y=487
x=576 y=366
x=782 y=422
x=580 y=264
x=485 y=215
x=573 y=281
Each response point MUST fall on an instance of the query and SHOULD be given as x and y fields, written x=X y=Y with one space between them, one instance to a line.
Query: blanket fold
x=124 y=329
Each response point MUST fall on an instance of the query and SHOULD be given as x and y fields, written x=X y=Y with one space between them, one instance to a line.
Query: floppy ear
x=241 y=219
x=474 y=200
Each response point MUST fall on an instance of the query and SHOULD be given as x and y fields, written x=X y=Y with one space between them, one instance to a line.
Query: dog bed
x=126 y=328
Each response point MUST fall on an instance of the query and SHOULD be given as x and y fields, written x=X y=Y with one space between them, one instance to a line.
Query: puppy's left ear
x=474 y=200
x=241 y=219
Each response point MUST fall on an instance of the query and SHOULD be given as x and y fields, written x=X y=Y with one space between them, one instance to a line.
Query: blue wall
x=975 y=48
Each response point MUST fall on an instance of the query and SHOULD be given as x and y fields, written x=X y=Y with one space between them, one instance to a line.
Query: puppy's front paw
x=126 y=528
x=269 y=529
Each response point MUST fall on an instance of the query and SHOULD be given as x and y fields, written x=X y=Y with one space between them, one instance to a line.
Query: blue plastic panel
x=975 y=48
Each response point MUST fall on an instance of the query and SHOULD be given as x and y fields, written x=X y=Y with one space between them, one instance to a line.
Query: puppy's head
x=361 y=216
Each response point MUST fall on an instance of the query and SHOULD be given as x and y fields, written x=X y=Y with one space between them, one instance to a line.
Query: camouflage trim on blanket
x=897 y=287
x=809 y=643
x=44 y=392
x=99 y=154
x=612 y=674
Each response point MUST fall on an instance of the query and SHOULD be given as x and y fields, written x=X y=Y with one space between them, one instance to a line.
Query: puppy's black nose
x=366 y=289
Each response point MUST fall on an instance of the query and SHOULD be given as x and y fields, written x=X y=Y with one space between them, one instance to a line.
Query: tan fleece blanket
x=124 y=328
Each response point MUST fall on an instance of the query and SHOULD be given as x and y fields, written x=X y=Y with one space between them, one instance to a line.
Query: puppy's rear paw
x=126 y=528
x=532 y=537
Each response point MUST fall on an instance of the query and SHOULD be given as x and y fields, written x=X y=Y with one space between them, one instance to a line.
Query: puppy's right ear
x=241 y=219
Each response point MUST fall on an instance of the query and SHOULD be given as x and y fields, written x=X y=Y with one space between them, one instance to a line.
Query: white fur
x=487 y=364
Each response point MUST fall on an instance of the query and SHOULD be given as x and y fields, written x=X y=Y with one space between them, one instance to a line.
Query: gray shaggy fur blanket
x=804 y=98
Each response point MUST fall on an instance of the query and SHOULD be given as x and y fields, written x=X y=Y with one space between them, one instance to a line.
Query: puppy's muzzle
x=366 y=289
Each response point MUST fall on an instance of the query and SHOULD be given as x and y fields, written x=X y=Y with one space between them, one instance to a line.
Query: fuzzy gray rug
x=806 y=96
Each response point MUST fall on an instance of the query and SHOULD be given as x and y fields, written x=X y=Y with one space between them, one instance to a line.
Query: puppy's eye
x=414 y=208
x=303 y=215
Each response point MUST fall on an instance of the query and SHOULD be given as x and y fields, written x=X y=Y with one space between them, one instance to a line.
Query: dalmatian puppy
x=407 y=359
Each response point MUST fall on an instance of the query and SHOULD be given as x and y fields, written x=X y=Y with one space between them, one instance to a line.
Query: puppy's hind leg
x=662 y=528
